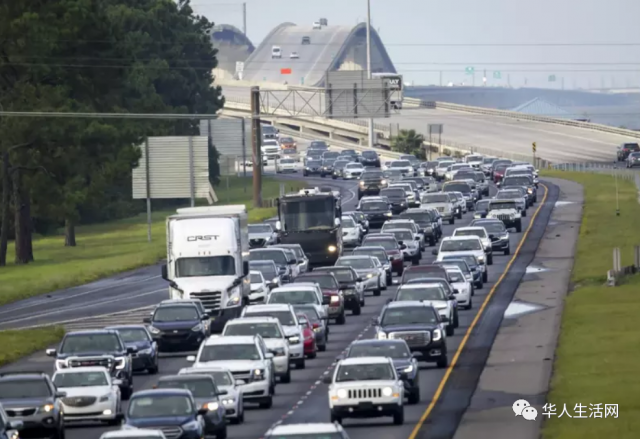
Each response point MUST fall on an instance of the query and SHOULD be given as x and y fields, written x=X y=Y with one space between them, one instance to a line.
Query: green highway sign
x=497 y=75
x=552 y=78
x=469 y=70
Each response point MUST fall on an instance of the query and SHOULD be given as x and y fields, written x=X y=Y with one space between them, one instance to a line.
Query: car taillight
x=316 y=325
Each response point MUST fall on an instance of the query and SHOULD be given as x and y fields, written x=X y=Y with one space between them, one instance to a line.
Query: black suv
x=397 y=197
x=31 y=399
x=376 y=211
x=370 y=159
x=523 y=181
x=312 y=167
x=404 y=361
x=427 y=221
x=371 y=182
x=417 y=323
x=177 y=326
x=97 y=348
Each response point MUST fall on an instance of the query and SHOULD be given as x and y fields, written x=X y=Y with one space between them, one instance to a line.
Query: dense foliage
x=409 y=142
x=86 y=56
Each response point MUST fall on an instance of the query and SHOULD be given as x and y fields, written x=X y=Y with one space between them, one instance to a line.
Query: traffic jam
x=251 y=306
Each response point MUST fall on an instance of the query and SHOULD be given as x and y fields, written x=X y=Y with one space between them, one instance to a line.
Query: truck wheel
x=335 y=418
x=450 y=330
x=341 y=320
x=490 y=259
x=398 y=418
x=519 y=227
x=442 y=362
x=356 y=310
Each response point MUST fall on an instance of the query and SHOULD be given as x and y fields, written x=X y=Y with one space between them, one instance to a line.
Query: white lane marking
x=44 y=300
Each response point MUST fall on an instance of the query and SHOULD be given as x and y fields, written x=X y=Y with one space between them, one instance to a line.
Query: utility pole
x=371 y=142
x=256 y=143
x=244 y=19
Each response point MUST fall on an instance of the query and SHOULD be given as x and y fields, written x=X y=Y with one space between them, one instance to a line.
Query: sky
x=586 y=44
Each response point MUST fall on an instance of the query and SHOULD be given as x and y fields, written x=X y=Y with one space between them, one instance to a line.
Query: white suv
x=248 y=359
x=289 y=322
x=299 y=293
x=273 y=336
x=464 y=245
x=481 y=233
x=365 y=387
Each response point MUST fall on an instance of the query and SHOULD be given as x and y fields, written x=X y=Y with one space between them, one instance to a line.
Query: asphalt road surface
x=305 y=398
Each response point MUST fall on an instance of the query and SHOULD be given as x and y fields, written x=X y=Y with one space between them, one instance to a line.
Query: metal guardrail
x=599 y=168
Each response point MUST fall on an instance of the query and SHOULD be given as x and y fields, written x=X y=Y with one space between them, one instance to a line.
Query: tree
x=408 y=142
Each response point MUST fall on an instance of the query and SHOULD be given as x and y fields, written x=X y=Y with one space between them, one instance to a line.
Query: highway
x=501 y=135
x=305 y=399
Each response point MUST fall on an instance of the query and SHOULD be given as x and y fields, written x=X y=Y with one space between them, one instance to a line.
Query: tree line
x=93 y=57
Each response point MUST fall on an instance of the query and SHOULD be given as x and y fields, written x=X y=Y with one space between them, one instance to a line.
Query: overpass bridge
x=488 y=131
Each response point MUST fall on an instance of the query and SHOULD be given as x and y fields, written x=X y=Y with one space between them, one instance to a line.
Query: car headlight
x=335 y=299
x=191 y=426
x=369 y=276
x=294 y=340
x=388 y=214
x=481 y=258
x=332 y=248
x=383 y=182
x=61 y=364
x=387 y=391
x=468 y=277
x=408 y=369
x=197 y=328
x=437 y=335
x=275 y=280
x=234 y=301
x=342 y=393
x=228 y=401
x=381 y=336
x=120 y=363
x=361 y=183
x=211 y=406
x=279 y=352
x=105 y=398
x=318 y=329
x=47 y=408
x=258 y=374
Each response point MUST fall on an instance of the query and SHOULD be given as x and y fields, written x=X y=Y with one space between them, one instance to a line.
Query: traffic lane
x=257 y=421
x=316 y=407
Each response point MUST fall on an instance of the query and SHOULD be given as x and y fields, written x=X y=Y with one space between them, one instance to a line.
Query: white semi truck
x=208 y=259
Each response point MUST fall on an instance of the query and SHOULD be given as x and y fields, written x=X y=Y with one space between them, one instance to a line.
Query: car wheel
x=524 y=213
x=398 y=418
x=286 y=378
x=341 y=320
x=390 y=279
x=507 y=251
x=414 y=397
x=322 y=347
x=267 y=404
x=470 y=305
x=335 y=418
x=362 y=300
x=452 y=220
x=490 y=259
x=450 y=330
x=312 y=355
x=519 y=227
x=479 y=285
x=301 y=364
x=356 y=310
x=485 y=277
x=222 y=434
x=442 y=362
x=456 y=320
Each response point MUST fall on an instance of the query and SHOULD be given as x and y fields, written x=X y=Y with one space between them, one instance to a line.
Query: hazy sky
x=428 y=39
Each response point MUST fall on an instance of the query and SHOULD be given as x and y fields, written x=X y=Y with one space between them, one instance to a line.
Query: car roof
x=258 y=250
x=139 y=432
x=311 y=274
x=459 y=238
x=471 y=228
x=180 y=301
x=454 y=268
x=369 y=247
x=177 y=303
x=295 y=287
x=230 y=339
x=318 y=428
x=118 y=327
x=207 y=368
x=352 y=257
x=92 y=332
x=22 y=376
x=416 y=285
x=184 y=377
x=364 y=360
x=161 y=392
x=268 y=308
x=375 y=341
x=256 y=319
x=408 y=304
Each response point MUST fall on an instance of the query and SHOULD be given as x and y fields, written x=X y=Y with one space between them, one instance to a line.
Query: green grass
x=106 y=249
x=23 y=342
x=597 y=358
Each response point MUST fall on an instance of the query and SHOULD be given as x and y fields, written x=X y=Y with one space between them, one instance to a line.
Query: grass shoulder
x=106 y=249
x=597 y=356
x=20 y=343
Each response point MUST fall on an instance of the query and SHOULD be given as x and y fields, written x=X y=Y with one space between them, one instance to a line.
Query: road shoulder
x=521 y=359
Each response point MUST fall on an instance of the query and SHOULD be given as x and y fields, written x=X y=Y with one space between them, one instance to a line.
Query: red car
x=310 y=347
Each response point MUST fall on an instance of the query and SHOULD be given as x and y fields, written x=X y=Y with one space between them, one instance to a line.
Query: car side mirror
x=268 y=356
x=359 y=279
x=374 y=320
x=278 y=225
x=328 y=379
x=456 y=292
x=15 y=425
x=191 y=358
x=205 y=317
x=222 y=392
x=132 y=350
x=402 y=246
x=240 y=382
x=336 y=222
x=164 y=272
x=146 y=320
x=245 y=268
x=291 y=262
x=340 y=357
x=203 y=411
x=417 y=238
x=51 y=352
x=119 y=417
x=444 y=319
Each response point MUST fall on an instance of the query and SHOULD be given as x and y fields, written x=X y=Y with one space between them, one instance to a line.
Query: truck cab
x=208 y=259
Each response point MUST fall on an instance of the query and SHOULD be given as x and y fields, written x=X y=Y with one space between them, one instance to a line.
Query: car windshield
x=80 y=379
x=328 y=162
x=75 y=344
x=286 y=161
x=23 y=389
x=371 y=206
x=409 y=316
x=277 y=256
x=421 y=292
x=462 y=265
x=339 y=164
x=330 y=155
x=199 y=388
x=516 y=181
x=400 y=164
x=260 y=228
x=129 y=335
x=160 y=406
x=354 y=166
x=317 y=145
x=285 y=317
x=267 y=270
x=392 y=173
x=370 y=154
x=175 y=314
x=435 y=198
x=343 y=275
x=266 y=330
x=469 y=259
x=474 y=158
x=488 y=160
x=386 y=243
x=372 y=175
x=314 y=163
x=348 y=223
x=471 y=232
x=511 y=194
x=297 y=251
x=310 y=311
x=315 y=213
x=256 y=278
x=293 y=297
x=325 y=282
x=422 y=217
x=456 y=187
x=455 y=276
x=502 y=205
x=381 y=255
x=393 y=193
x=483 y=205
x=365 y=372
x=397 y=226
x=229 y=352
x=420 y=274
x=206 y=266
x=444 y=164
x=355 y=263
x=390 y=349
x=221 y=378
x=492 y=227
x=401 y=235
x=460 y=245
